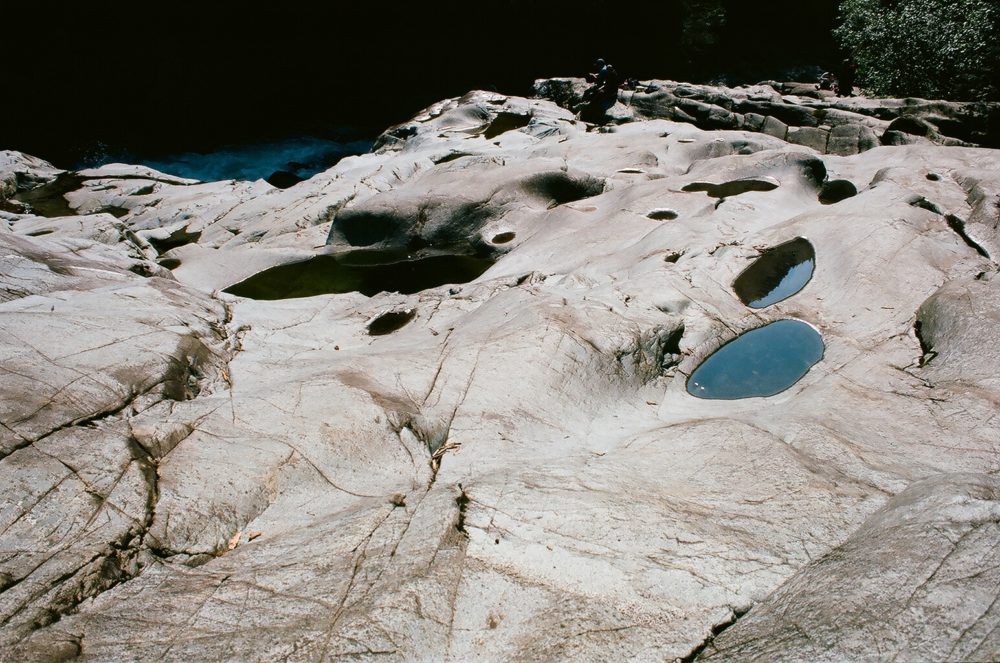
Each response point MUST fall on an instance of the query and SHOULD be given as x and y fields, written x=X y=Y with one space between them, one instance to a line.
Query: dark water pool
x=390 y=322
x=504 y=122
x=780 y=272
x=761 y=362
x=49 y=200
x=367 y=272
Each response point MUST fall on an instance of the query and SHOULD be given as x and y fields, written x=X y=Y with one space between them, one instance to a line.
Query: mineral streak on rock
x=519 y=472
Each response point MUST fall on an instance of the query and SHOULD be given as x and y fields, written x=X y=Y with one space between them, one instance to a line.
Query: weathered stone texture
x=517 y=472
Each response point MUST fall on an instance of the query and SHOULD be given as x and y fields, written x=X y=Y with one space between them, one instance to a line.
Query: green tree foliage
x=936 y=49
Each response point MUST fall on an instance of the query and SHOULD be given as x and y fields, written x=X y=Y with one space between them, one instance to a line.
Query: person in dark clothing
x=602 y=94
x=597 y=68
x=845 y=81
x=605 y=80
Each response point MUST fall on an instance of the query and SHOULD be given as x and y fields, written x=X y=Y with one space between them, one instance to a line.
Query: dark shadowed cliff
x=183 y=75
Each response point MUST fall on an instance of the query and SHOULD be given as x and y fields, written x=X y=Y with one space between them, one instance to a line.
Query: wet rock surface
x=510 y=467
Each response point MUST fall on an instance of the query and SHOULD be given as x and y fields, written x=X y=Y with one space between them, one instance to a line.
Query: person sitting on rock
x=828 y=81
x=605 y=81
x=603 y=94
x=598 y=70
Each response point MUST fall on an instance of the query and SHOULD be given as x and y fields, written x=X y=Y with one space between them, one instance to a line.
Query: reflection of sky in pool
x=777 y=274
x=761 y=362
x=794 y=280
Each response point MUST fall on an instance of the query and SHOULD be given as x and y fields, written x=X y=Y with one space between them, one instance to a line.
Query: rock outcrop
x=510 y=467
x=798 y=113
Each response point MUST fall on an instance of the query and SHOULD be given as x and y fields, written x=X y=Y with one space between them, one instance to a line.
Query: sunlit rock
x=248 y=423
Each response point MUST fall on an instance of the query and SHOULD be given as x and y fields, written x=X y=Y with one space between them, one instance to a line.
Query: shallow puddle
x=49 y=200
x=761 y=362
x=367 y=272
x=734 y=187
x=114 y=210
x=780 y=272
x=180 y=237
x=390 y=322
x=834 y=191
x=504 y=122
x=662 y=214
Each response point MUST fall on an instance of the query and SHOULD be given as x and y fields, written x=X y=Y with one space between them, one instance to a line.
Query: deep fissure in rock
x=923 y=203
x=462 y=501
x=713 y=634
x=673 y=343
x=451 y=156
x=927 y=351
x=733 y=187
x=958 y=225
x=169 y=263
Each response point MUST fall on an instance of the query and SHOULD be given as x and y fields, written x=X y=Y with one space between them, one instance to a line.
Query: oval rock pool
x=761 y=362
x=779 y=272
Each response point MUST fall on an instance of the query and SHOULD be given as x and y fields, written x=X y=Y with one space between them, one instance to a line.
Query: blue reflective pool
x=780 y=272
x=761 y=362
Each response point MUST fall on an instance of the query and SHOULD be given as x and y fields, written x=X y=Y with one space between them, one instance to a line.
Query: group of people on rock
x=605 y=82
x=842 y=82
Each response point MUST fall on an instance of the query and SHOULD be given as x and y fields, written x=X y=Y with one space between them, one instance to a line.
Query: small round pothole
x=503 y=238
x=662 y=214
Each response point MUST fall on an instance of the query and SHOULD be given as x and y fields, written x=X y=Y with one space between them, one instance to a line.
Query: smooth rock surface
x=898 y=586
x=516 y=473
